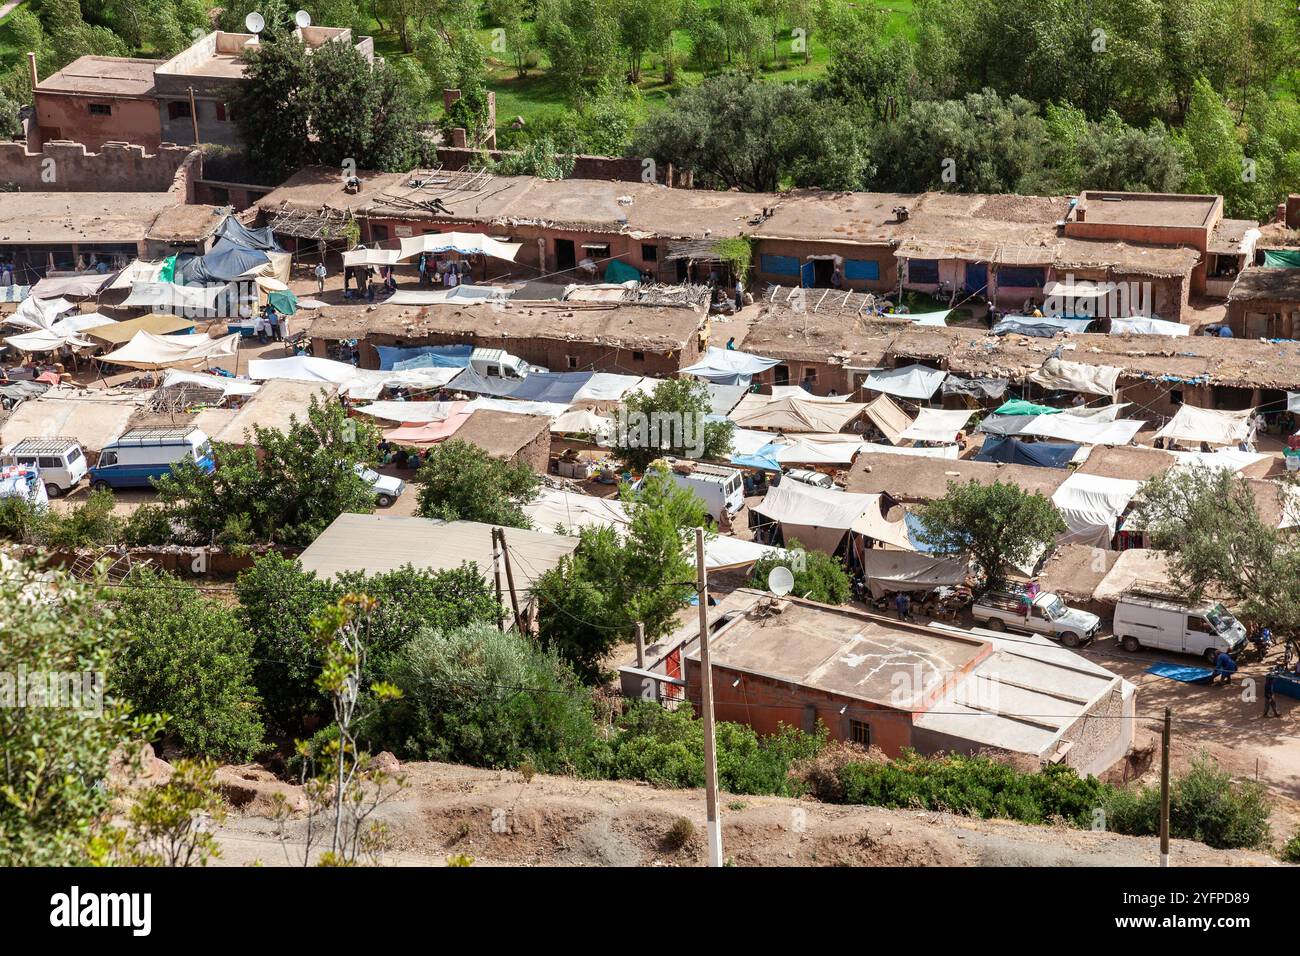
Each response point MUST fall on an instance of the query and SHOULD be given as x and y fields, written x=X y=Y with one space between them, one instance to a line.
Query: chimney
x=31 y=67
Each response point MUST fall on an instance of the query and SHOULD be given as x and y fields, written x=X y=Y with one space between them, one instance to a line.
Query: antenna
x=303 y=19
x=254 y=22
x=780 y=581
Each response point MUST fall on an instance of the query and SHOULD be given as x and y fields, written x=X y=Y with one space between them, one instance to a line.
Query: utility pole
x=640 y=645
x=496 y=577
x=194 y=116
x=1164 y=789
x=706 y=704
x=510 y=578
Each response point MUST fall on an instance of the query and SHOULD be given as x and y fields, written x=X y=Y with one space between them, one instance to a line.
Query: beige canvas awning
x=885 y=414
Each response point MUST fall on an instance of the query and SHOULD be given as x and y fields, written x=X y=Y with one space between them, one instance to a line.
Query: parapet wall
x=63 y=166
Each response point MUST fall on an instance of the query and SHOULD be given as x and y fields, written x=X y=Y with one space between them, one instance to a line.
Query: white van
x=61 y=462
x=720 y=488
x=498 y=363
x=1162 y=622
x=139 y=456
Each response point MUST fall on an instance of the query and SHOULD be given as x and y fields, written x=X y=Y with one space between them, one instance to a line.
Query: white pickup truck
x=1044 y=614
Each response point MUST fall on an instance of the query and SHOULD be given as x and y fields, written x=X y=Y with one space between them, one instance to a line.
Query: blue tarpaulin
x=1013 y=451
x=1185 y=673
x=559 y=387
x=226 y=262
x=1042 y=326
x=235 y=231
x=392 y=358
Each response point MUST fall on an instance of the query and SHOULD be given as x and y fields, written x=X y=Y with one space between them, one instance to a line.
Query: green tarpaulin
x=284 y=302
x=168 y=273
x=1018 y=406
x=618 y=271
x=1282 y=259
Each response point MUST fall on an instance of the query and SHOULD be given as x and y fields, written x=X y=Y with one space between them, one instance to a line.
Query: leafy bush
x=460 y=481
x=277 y=600
x=191 y=659
x=479 y=696
x=818 y=576
x=666 y=748
x=148 y=525
x=1205 y=804
x=1291 y=849
x=974 y=786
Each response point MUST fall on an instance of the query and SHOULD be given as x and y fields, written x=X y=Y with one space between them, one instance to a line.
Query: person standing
x=1270 y=695
x=740 y=294
x=903 y=605
x=320 y=276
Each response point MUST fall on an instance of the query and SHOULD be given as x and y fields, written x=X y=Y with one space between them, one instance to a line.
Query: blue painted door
x=808 y=275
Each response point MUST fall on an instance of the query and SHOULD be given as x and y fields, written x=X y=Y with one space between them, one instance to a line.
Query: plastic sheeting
x=939 y=319
x=941 y=451
x=817 y=517
x=723 y=398
x=363 y=256
x=175 y=298
x=1039 y=326
x=887 y=570
x=409 y=413
x=1013 y=451
x=1018 y=406
x=888 y=417
x=794 y=414
x=466 y=243
x=355 y=382
x=222 y=383
x=35 y=313
x=582 y=421
x=78 y=286
x=149 y=351
x=1091 y=506
x=1140 y=326
x=610 y=387
x=63 y=332
x=911 y=381
x=226 y=262
x=729 y=366
x=1196 y=425
x=235 y=231
x=1083 y=430
x=466 y=294
x=431 y=433
x=558 y=387
x=1076 y=377
x=424 y=356
x=937 y=425
x=979 y=388
x=1225 y=459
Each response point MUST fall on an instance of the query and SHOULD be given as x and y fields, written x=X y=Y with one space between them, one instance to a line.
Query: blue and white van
x=146 y=453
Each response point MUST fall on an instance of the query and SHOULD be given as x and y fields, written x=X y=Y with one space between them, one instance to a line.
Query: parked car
x=387 y=488
x=147 y=453
x=61 y=462
x=1166 y=623
x=1044 y=613
x=809 y=476
x=498 y=363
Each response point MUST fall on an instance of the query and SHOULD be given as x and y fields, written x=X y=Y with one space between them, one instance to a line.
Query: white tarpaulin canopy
x=794 y=414
x=817 y=517
x=941 y=451
x=1091 y=505
x=1084 y=430
x=78 y=286
x=149 y=351
x=1076 y=377
x=1140 y=326
x=33 y=313
x=888 y=570
x=582 y=420
x=610 y=387
x=923 y=318
x=362 y=256
x=729 y=366
x=467 y=294
x=138 y=271
x=62 y=332
x=798 y=391
x=1209 y=425
x=227 y=385
x=173 y=298
x=408 y=412
x=801 y=451
x=352 y=381
x=937 y=424
x=466 y=243
x=1225 y=459
x=910 y=381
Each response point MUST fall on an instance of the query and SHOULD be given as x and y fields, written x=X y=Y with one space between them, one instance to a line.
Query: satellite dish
x=780 y=581
x=303 y=19
x=254 y=22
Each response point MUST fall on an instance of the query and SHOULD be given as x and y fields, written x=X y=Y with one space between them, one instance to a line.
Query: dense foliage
x=817 y=576
x=671 y=420
x=461 y=482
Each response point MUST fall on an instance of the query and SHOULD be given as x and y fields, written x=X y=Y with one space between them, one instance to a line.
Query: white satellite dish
x=303 y=19
x=254 y=22
x=780 y=581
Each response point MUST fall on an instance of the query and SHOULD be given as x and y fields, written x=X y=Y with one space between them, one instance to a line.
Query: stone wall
x=629 y=169
x=63 y=166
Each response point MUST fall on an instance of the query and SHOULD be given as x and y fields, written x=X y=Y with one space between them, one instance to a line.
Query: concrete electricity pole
x=1164 y=789
x=706 y=705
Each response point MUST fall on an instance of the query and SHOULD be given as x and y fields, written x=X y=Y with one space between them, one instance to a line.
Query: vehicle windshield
x=1055 y=609
x=368 y=474
x=1219 y=618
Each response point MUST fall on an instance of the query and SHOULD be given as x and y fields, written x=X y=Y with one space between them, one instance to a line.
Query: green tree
x=581 y=40
x=462 y=482
x=284 y=487
x=361 y=111
x=191 y=659
x=593 y=599
x=444 y=40
x=998 y=525
x=671 y=420
x=645 y=27
x=817 y=576
x=273 y=107
x=55 y=759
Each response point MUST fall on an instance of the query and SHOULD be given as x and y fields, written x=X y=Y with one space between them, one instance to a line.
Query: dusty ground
x=499 y=820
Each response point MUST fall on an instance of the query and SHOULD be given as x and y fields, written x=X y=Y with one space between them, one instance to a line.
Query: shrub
x=148 y=525
x=189 y=658
x=1291 y=849
x=1205 y=804
x=21 y=521
x=818 y=576
x=679 y=835
x=479 y=696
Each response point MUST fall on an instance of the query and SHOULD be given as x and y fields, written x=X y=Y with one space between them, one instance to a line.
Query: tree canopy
x=671 y=420
x=462 y=482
